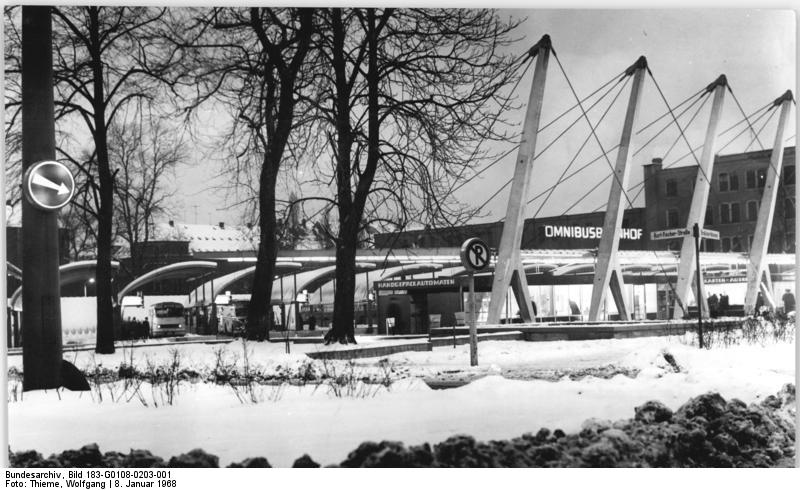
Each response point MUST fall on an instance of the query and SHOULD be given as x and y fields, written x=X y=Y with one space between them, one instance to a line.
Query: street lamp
x=85 y=286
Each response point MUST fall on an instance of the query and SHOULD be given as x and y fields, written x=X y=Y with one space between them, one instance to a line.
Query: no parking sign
x=475 y=254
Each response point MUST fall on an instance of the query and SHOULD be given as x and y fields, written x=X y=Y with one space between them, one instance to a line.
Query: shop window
x=710 y=245
x=726 y=244
x=724 y=213
x=736 y=244
x=750 y=179
x=673 y=217
x=736 y=212
x=672 y=188
x=724 y=184
x=752 y=210
x=762 y=177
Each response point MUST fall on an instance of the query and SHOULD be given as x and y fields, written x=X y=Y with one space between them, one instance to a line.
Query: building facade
x=737 y=183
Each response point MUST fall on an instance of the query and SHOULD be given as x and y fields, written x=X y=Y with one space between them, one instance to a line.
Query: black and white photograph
x=259 y=236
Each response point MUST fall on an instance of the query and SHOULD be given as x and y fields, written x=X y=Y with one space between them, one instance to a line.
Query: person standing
x=788 y=301
x=723 y=304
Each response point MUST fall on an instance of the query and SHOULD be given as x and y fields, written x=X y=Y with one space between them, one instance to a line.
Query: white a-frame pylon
x=607 y=273
x=758 y=266
x=509 y=265
x=697 y=210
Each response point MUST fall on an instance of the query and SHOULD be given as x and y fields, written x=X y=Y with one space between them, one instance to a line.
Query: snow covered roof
x=208 y=238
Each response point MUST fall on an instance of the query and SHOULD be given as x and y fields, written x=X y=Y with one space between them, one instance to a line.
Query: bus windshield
x=169 y=311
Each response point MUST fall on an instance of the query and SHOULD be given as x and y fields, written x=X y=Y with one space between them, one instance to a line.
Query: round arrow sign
x=475 y=254
x=48 y=185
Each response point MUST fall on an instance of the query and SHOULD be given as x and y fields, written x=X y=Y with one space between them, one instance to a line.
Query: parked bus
x=166 y=319
x=233 y=317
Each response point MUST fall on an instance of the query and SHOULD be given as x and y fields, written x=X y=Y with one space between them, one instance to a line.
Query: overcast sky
x=686 y=50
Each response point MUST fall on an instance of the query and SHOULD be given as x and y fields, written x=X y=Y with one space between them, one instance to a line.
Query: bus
x=233 y=317
x=166 y=319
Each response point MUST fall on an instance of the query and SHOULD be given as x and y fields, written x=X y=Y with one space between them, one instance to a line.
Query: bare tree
x=105 y=58
x=144 y=153
x=411 y=97
x=250 y=60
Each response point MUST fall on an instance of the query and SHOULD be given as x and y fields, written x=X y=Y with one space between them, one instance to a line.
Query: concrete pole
x=509 y=267
x=41 y=296
x=758 y=266
x=697 y=210
x=609 y=242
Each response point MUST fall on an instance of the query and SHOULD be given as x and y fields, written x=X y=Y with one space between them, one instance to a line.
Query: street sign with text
x=709 y=234
x=48 y=185
x=670 y=234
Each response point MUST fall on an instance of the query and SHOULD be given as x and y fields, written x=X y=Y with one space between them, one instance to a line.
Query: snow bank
x=294 y=420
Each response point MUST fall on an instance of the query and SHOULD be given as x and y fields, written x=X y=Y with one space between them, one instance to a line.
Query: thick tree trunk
x=342 y=330
x=259 y=313
x=105 y=213
x=105 y=308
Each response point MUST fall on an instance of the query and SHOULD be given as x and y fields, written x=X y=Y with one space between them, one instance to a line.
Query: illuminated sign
x=416 y=283
x=588 y=232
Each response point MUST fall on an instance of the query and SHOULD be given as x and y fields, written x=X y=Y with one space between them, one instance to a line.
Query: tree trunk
x=259 y=313
x=105 y=213
x=342 y=330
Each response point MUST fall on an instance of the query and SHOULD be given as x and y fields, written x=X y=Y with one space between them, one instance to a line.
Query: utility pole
x=696 y=234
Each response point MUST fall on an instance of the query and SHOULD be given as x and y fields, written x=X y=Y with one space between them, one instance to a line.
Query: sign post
x=47 y=186
x=696 y=234
x=474 y=257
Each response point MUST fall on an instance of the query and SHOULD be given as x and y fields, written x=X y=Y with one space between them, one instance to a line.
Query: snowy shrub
x=165 y=378
x=350 y=381
x=758 y=330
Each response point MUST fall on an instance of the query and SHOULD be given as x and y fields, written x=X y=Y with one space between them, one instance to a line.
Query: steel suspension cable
x=591 y=127
x=696 y=148
x=683 y=135
x=617 y=146
x=756 y=120
x=771 y=115
x=669 y=150
x=735 y=99
x=560 y=135
x=583 y=145
x=615 y=77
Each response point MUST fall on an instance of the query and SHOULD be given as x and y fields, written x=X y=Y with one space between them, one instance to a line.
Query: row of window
x=736 y=244
x=729 y=181
x=730 y=212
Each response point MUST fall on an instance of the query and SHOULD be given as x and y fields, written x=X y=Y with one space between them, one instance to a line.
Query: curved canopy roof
x=70 y=273
x=171 y=271
x=217 y=286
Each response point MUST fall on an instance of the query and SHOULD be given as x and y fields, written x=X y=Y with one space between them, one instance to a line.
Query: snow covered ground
x=292 y=420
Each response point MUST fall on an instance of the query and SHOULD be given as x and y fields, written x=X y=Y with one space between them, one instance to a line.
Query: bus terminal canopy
x=210 y=289
x=171 y=271
x=70 y=273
